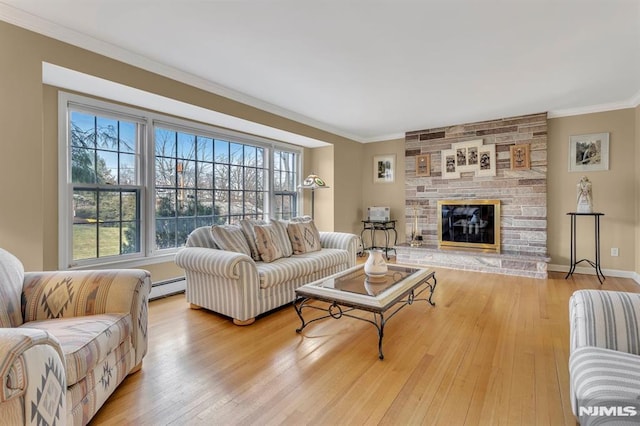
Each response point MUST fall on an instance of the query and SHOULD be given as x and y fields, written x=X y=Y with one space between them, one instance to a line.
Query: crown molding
x=41 y=26
x=612 y=106
x=383 y=138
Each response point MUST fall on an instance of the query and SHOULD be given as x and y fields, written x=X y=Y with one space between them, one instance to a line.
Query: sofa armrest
x=212 y=261
x=605 y=319
x=31 y=363
x=341 y=240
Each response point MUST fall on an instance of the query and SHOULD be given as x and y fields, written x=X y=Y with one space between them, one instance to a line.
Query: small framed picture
x=423 y=165
x=589 y=153
x=487 y=160
x=449 y=164
x=384 y=168
x=467 y=155
x=520 y=157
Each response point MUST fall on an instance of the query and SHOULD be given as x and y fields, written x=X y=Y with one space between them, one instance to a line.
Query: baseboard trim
x=591 y=271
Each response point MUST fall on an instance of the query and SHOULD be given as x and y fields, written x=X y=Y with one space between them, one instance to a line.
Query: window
x=202 y=180
x=133 y=184
x=284 y=184
x=106 y=189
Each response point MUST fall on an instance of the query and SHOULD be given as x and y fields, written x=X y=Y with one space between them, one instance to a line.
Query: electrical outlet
x=614 y=251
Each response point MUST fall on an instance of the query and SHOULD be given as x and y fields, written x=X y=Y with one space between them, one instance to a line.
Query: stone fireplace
x=469 y=224
x=519 y=244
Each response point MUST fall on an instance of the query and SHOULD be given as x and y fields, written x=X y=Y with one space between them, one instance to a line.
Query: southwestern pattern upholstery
x=604 y=363
x=235 y=285
x=67 y=340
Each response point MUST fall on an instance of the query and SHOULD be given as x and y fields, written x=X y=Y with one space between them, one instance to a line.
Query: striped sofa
x=236 y=285
x=604 y=362
x=67 y=340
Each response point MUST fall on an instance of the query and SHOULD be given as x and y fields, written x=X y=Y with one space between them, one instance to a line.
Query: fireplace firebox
x=469 y=224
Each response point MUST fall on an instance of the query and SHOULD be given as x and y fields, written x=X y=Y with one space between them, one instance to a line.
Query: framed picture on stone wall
x=423 y=165
x=588 y=153
x=486 y=160
x=449 y=164
x=467 y=155
x=520 y=157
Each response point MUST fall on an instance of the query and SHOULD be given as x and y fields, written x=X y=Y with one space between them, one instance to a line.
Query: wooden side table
x=573 y=257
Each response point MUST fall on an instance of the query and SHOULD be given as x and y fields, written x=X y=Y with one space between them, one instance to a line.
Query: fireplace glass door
x=469 y=224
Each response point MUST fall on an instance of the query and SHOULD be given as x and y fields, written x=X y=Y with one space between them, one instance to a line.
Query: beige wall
x=385 y=194
x=28 y=111
x=614 y=191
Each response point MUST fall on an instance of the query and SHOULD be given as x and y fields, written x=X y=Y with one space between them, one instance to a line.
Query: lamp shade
x=313 y=181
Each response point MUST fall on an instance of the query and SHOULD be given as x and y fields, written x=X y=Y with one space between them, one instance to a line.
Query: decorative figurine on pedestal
x=585 y=199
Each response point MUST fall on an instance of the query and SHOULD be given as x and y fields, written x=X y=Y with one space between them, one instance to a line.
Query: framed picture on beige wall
x=423 y=165
x=589 y=153
x=384 y=168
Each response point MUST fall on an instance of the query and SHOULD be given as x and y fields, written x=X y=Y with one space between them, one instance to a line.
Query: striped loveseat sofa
x=604 y=363
x=67 y=340
x=240 y=286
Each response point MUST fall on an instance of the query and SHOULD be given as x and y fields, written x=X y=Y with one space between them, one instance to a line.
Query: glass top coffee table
x=352 y=290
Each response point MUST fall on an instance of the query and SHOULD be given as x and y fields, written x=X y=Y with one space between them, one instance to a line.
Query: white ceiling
x=370 y=70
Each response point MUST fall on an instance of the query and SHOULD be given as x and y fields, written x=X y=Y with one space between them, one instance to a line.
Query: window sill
x=127 y=264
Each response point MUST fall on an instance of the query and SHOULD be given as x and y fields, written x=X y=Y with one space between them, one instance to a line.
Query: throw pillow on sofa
x=247 y=227
x=304 y=237
x=266 y=243
x=230 y=238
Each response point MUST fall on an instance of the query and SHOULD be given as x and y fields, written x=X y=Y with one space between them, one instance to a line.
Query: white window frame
x=148 y=254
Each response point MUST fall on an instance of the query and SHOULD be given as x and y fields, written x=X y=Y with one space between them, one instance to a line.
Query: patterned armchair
x=67 y=340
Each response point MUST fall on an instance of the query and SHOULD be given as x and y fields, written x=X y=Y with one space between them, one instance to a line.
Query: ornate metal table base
x=338 y=309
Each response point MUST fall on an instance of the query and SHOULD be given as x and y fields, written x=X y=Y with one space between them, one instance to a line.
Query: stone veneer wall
x=523 y=193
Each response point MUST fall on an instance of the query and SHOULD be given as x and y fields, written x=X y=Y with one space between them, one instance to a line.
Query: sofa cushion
x=266 y=243
x=604 y=378
x=230 y=238
x=86 y=340
x=11 y=280
x=288 y=269
x=327 y=258
x=304 y=237
x=283 y=270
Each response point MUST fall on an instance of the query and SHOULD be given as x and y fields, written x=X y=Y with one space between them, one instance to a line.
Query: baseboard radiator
x=168 y=287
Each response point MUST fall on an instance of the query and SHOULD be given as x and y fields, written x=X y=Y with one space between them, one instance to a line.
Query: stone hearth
x=524 y=265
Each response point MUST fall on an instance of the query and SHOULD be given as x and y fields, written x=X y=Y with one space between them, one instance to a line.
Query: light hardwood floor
x=493 y=351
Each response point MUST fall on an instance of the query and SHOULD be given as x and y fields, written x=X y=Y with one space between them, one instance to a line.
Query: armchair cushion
x=86 y=340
